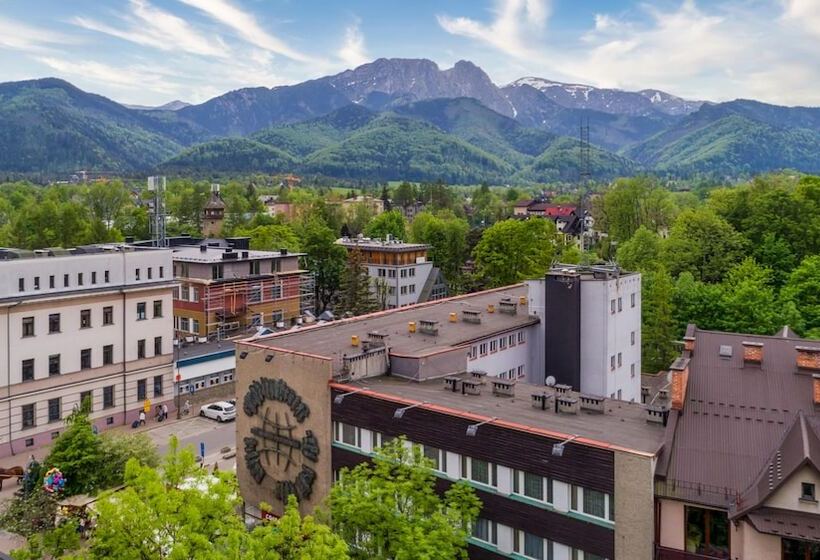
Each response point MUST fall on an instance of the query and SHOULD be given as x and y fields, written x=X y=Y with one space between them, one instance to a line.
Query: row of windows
x=410 y=289
x=192 y=385
x=581 y=500
x=186 y=324
x=619 y=304
x=81 y=276
x=527 y=544
x=497 y=344
x=55 y=319
x=513 y=373
x=391 y=273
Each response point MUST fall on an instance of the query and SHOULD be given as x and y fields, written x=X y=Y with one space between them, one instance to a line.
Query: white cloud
x=19 y=36
x=804 y=13
x=246 y=27
x=516 y=24
x=121 y=77
x=353 y=51
x=153 y=27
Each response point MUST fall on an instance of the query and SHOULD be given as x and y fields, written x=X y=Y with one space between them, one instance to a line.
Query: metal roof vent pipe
x=203 y=248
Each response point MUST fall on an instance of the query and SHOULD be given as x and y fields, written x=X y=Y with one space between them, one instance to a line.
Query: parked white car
x=221 y=411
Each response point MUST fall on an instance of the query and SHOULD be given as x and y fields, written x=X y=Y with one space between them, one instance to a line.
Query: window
x=276 y=291
x=707 y=532
x=412 y=272
x=253 y=268
x=54 y=323
x=502 y=343
x=807 y=492
x=79 y=278
x=612 y=362
x=141 y=311
x=185 y=324
x=612 y=307
x=620 y=359
x=108 y=315
x=531 y=546
x=511 y=340
x=485 y=530
x=137 y=274
x=592 y=502
x=482 y=348
x=632 y=338
x=799 y=550
x=65 y=281
x=404 y=273
x=391 y=273
x=108 y=396
x=21 y=284
x=195 y=326
x=51 y=282
x=437 y=456
x=108 y=354
x=85 y=318
x=157 y=346
x=54 y=410
x=347 y=434
x=36 y=282
x=632 y=299
x=217 y=271
x=94 y=277
x=479 y=471
x=620 y=305
x=157 y=385
x=150 y=273
x=493 y=346
x=275 y=265
x=194 y=294
x=404 y=290
x=28 y=326
x=140 y=348
x=28 y=369
x=381 y=272
x=632 y=370
x=521 y=337
x=29 y=416
x=157 y=308
x=85 y=358
x=162 y=272
x=87 y=396
x=106 y=277
x=54 y=364
x=142 y=390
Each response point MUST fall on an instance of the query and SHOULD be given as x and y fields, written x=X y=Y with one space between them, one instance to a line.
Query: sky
x=154 y=51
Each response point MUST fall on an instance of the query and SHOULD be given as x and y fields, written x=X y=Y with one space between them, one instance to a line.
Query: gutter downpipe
x=8 y=369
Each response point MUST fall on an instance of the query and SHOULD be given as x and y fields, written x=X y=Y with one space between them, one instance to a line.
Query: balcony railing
x=696 y=492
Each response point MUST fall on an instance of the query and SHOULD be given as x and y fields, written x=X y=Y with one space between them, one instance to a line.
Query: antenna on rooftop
x=585 y=167
x=157 y=222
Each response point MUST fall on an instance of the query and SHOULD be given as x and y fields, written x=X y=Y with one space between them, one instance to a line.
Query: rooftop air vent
x=592 y=403
x=568 y=405
x=562 y=389
x=657 y=414
x=428 y=327
x=503 y=387
x=540 y=400
x=471 y=387
x=507 y=306
x=725 y=351
x=471 y=316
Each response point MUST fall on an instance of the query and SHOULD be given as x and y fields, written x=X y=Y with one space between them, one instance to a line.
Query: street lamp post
x=177 y=377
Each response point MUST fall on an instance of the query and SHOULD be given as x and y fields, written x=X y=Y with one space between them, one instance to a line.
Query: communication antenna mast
x=585 y=167
x=157 y=186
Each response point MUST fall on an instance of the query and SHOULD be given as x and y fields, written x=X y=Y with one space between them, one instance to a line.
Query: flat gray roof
x=622 y=424
x=381 y=245
x=213 y=255
x=333 y=339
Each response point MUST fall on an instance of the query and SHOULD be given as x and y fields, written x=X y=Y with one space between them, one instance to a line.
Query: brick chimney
x=752 y=353
x=680 y=379
x=816 y=389
x=808 y=359
x=689 y=343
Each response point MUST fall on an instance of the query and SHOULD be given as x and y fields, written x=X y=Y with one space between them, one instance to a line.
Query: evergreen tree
x=657 y=321
x=386 y=198
x=355 y=296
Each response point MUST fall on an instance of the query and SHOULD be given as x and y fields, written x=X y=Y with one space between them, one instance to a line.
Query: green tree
x=293 y=537
x=385 y=196
x=387 y=223
x=133 y=221
x=405 y=195
x=29 y=514
x=389 y=509
x=117 y=449
x=358 y=216
x=641 y=252
x=105 y=200
x=325 y=259
x=447 y=236
x=657 y=320
x=514 y=250
x=271 y=238
x=803 y=290
x=182 y=511
x=703 y=243
x=697 y=302
x=78 y=454
x=185 y=201
x=355 y=295
x=632 y=203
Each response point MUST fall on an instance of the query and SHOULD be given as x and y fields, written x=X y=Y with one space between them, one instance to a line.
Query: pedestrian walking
x=164 y=411
x=142 y=418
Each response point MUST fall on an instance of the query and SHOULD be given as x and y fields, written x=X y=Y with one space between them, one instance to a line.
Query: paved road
x=196 y=430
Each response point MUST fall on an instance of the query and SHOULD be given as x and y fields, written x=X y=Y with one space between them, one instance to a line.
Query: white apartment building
x=400 y=272
x=590 y=332
x=91 y=322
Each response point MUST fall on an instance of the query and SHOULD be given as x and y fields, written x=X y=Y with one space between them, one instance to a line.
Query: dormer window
x=807 y=492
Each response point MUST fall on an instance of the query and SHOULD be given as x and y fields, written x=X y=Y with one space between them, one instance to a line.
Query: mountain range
x=405 y=119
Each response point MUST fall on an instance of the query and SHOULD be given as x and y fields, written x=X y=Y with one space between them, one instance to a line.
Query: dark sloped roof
x=215 y=202
x=735 y=416
x=786 y=523
x=787 y=332
x=800 y=446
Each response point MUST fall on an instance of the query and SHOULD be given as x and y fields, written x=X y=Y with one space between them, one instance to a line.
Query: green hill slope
x=560 y=162
x=231 y=155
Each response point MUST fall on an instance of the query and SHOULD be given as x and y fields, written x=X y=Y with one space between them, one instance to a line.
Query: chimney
x=203 y=248
x=808 y=359
x=689 y=344
x=816 y=389
x=680 y=379
x=752 y=353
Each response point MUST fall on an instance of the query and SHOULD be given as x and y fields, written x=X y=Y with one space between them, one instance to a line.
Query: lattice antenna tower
x=585 y=166
x=158 y=217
